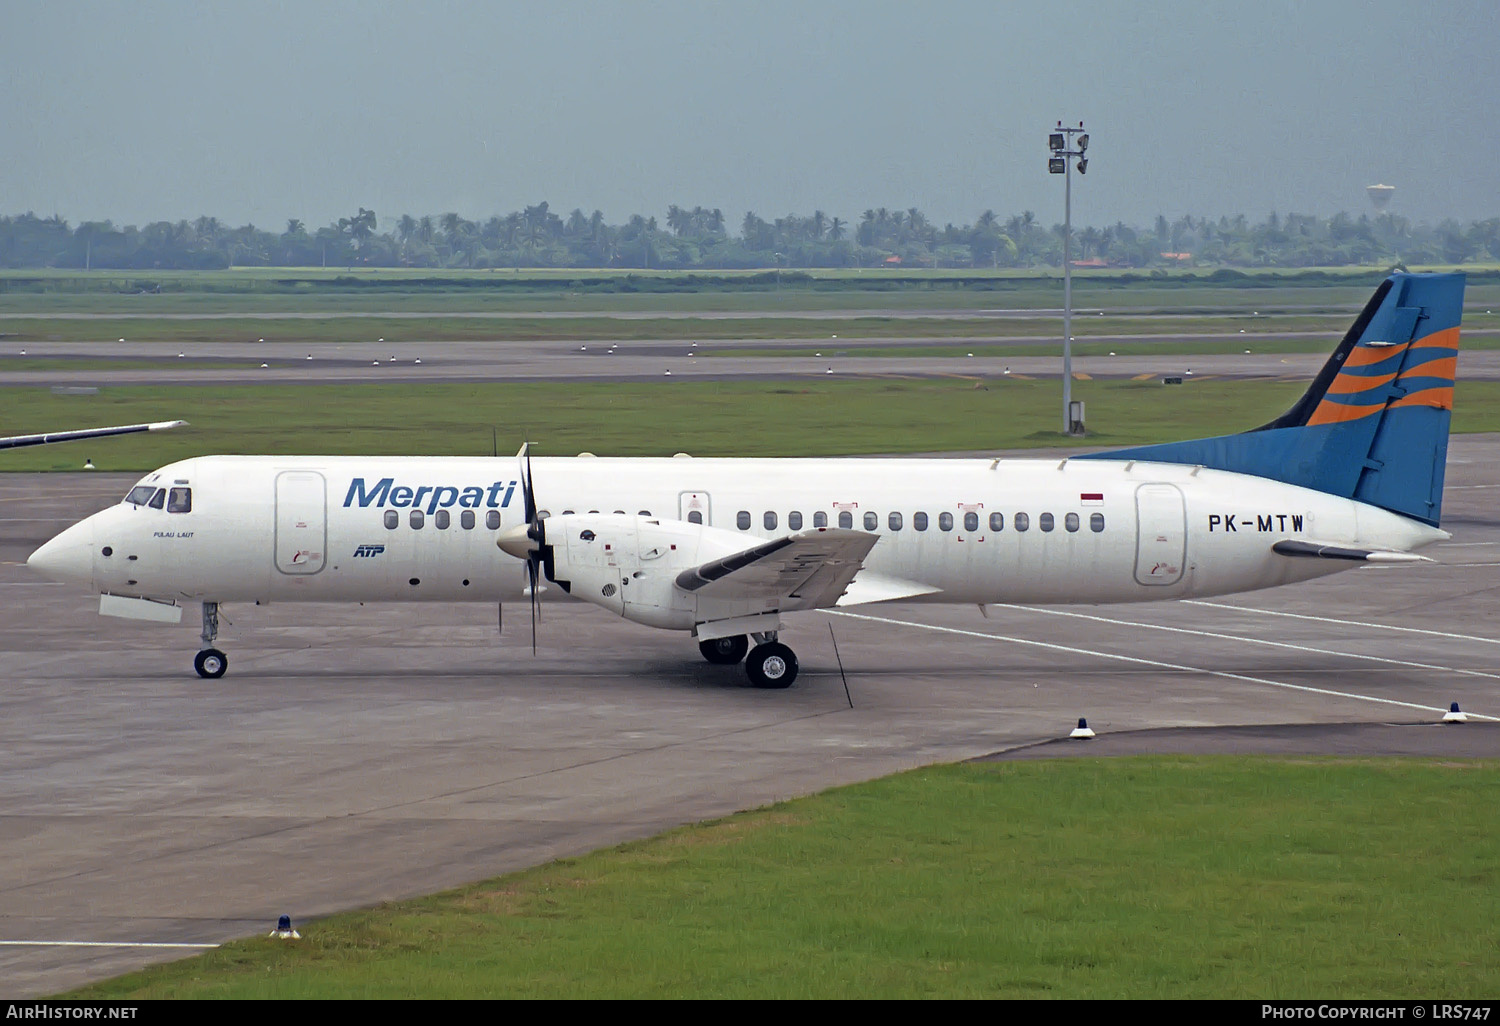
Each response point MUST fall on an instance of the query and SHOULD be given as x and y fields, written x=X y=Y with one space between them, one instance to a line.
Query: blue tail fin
x=1374 y=424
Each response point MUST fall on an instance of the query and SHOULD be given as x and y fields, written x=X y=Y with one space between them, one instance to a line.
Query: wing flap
x=807 y=570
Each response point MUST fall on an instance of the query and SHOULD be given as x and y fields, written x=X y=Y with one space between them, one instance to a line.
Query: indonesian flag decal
x=1091 y=498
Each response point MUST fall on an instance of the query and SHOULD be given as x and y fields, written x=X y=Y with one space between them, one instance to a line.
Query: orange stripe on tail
x=1438 y=398
x=1337 y=413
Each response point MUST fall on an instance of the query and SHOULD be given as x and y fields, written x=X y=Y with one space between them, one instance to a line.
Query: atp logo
x=364 y=551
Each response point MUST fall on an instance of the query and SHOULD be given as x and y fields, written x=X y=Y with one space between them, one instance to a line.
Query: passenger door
x=1160 y=534
x=301 y=522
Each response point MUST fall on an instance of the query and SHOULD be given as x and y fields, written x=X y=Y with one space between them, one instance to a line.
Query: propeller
x=528 y=541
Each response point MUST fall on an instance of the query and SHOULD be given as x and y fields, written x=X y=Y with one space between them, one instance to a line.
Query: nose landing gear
x=210 y=662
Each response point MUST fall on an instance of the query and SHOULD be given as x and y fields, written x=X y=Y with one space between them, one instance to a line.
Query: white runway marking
x=1348 y=623
x=1254 y=641
x=1153 y=662
x=96 y=944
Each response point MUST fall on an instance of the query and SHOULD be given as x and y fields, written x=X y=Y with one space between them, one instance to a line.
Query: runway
x=237 y=363
x=357 y=754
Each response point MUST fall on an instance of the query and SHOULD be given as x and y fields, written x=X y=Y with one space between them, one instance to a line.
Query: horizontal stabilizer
x=1314 y=550
x=17 y=441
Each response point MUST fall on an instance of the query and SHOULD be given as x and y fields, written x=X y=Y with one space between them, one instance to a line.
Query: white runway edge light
x=1455 y=714
x=1082 y=731
x=284 y=929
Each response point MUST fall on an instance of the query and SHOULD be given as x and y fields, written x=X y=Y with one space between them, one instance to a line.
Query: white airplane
x=723 y=548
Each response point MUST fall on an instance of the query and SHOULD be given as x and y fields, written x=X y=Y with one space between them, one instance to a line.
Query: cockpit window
x=140 y=494
x=180 y=500
x=158 y=499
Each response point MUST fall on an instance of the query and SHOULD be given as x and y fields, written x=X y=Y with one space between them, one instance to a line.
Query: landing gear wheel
x=211 y=663
x=725 y=651
x=771 y=665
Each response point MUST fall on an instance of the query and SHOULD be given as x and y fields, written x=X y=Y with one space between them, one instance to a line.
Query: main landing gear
x=210 y=662
x=769 y=664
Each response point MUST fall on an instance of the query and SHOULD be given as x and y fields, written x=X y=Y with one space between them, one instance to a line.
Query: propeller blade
x=528 y=496
x=531 y=570
x=535 y=532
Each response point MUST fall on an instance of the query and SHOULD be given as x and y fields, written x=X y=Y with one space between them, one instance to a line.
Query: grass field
x=731 y=418
x=259 y=290
x=1150 y=877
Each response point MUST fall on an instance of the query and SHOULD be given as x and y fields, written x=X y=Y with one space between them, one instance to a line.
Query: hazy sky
x=261 y=111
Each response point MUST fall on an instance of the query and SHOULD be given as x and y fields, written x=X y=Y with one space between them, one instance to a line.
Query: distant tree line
x=700 y=238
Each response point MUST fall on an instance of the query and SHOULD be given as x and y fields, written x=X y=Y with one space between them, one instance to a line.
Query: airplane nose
x=68 y=558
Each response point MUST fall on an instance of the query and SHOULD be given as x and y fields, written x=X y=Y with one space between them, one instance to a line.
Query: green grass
x=720 y=418
x=250 y=290
x=1150 y=877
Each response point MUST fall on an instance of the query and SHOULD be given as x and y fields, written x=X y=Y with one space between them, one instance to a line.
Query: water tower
x=1380 y=195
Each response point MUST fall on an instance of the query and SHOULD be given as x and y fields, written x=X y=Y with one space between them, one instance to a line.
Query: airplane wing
x=17 y=441
x=808 y=570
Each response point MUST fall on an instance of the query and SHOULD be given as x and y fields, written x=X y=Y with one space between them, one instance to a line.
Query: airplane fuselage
x=278 y=529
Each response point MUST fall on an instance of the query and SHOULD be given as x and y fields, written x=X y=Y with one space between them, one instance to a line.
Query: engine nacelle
x=628 y=564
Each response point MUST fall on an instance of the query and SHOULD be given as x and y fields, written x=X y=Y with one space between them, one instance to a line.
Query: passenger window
x=820 y=519
x=742 y=520
x=647 y=513
x=543 y=514
x=1096 y=522
x=180 y=500
x=1071 y=522
x=1044 y=521
x=794 y=520
x=871 y=521
x=1022 y=521
x=846 y=520
x=466 y=520
x=619 y=512
x=919 y=521
x=694 y=517
x=492 y=520
x=997 y=521
x=392 y=520
x=894 y=520
x=417 y=519
x=158 y=499
x=971 y=521
x=441 y=520
x=769 y=520
x=945 y=521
